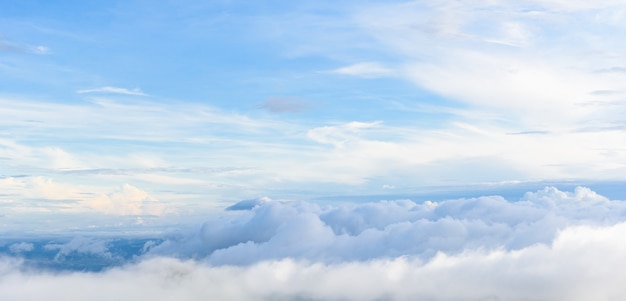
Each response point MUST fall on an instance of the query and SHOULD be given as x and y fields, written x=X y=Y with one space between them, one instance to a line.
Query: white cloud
x=549 y=245
x=579 y=4
x=388 y=229
x=67 y=143
x=113 y=90
x=41 y=49
x=405 y=154
x=365 y=69
x=128 y=200
x=352 y=153
x=21 y=247
x=60 y=159
x=522 y=66
x=11 y=184
x=80 y=245
x=462 y=50
x=50 y=157
x=582 y=264
x=46 y=188
x=103 y=118
x=339 y=134
x=53 y=196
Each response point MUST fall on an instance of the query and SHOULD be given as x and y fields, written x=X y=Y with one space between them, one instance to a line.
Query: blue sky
x=201 y=105
x=400 y=141
x=197 y=104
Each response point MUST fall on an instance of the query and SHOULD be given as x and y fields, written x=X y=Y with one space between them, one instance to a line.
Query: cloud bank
x=549 y=245
x=583 y=263
x=273 y=230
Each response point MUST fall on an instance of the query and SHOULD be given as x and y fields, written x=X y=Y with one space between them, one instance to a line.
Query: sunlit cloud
x=52 y=197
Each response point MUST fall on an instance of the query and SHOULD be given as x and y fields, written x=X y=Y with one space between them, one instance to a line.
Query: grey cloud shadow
x=282 y=105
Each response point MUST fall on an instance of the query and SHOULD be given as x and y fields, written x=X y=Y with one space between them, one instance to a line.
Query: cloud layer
x=368 y=98
x=549 y=245
x=273 y=230
x=442 y=83
x=114 y=90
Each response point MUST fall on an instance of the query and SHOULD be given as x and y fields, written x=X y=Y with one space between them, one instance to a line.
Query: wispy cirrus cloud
x=113 y=90
x=462 y=51
x=262 y=151
x=103 y=118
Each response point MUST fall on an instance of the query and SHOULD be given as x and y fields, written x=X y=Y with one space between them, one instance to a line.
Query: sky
x=432 y=142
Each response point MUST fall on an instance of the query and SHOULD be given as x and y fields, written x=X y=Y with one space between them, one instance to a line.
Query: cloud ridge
x=548 y=245
x=273 y=230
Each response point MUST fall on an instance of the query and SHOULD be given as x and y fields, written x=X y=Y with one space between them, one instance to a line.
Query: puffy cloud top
x=549 y=245
x=388 y=229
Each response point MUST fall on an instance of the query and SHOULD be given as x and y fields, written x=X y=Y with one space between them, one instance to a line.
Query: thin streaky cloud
x=113 y=90
x=606 y=92
x=530 y=132
x=365 y=69
x=616 y=69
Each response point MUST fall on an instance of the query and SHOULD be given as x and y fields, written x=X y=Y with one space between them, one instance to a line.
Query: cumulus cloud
x=583 y=263
x=114 y=90
x=46 y=188
x=128 y=200
x=548 y=245
x=388 y=229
